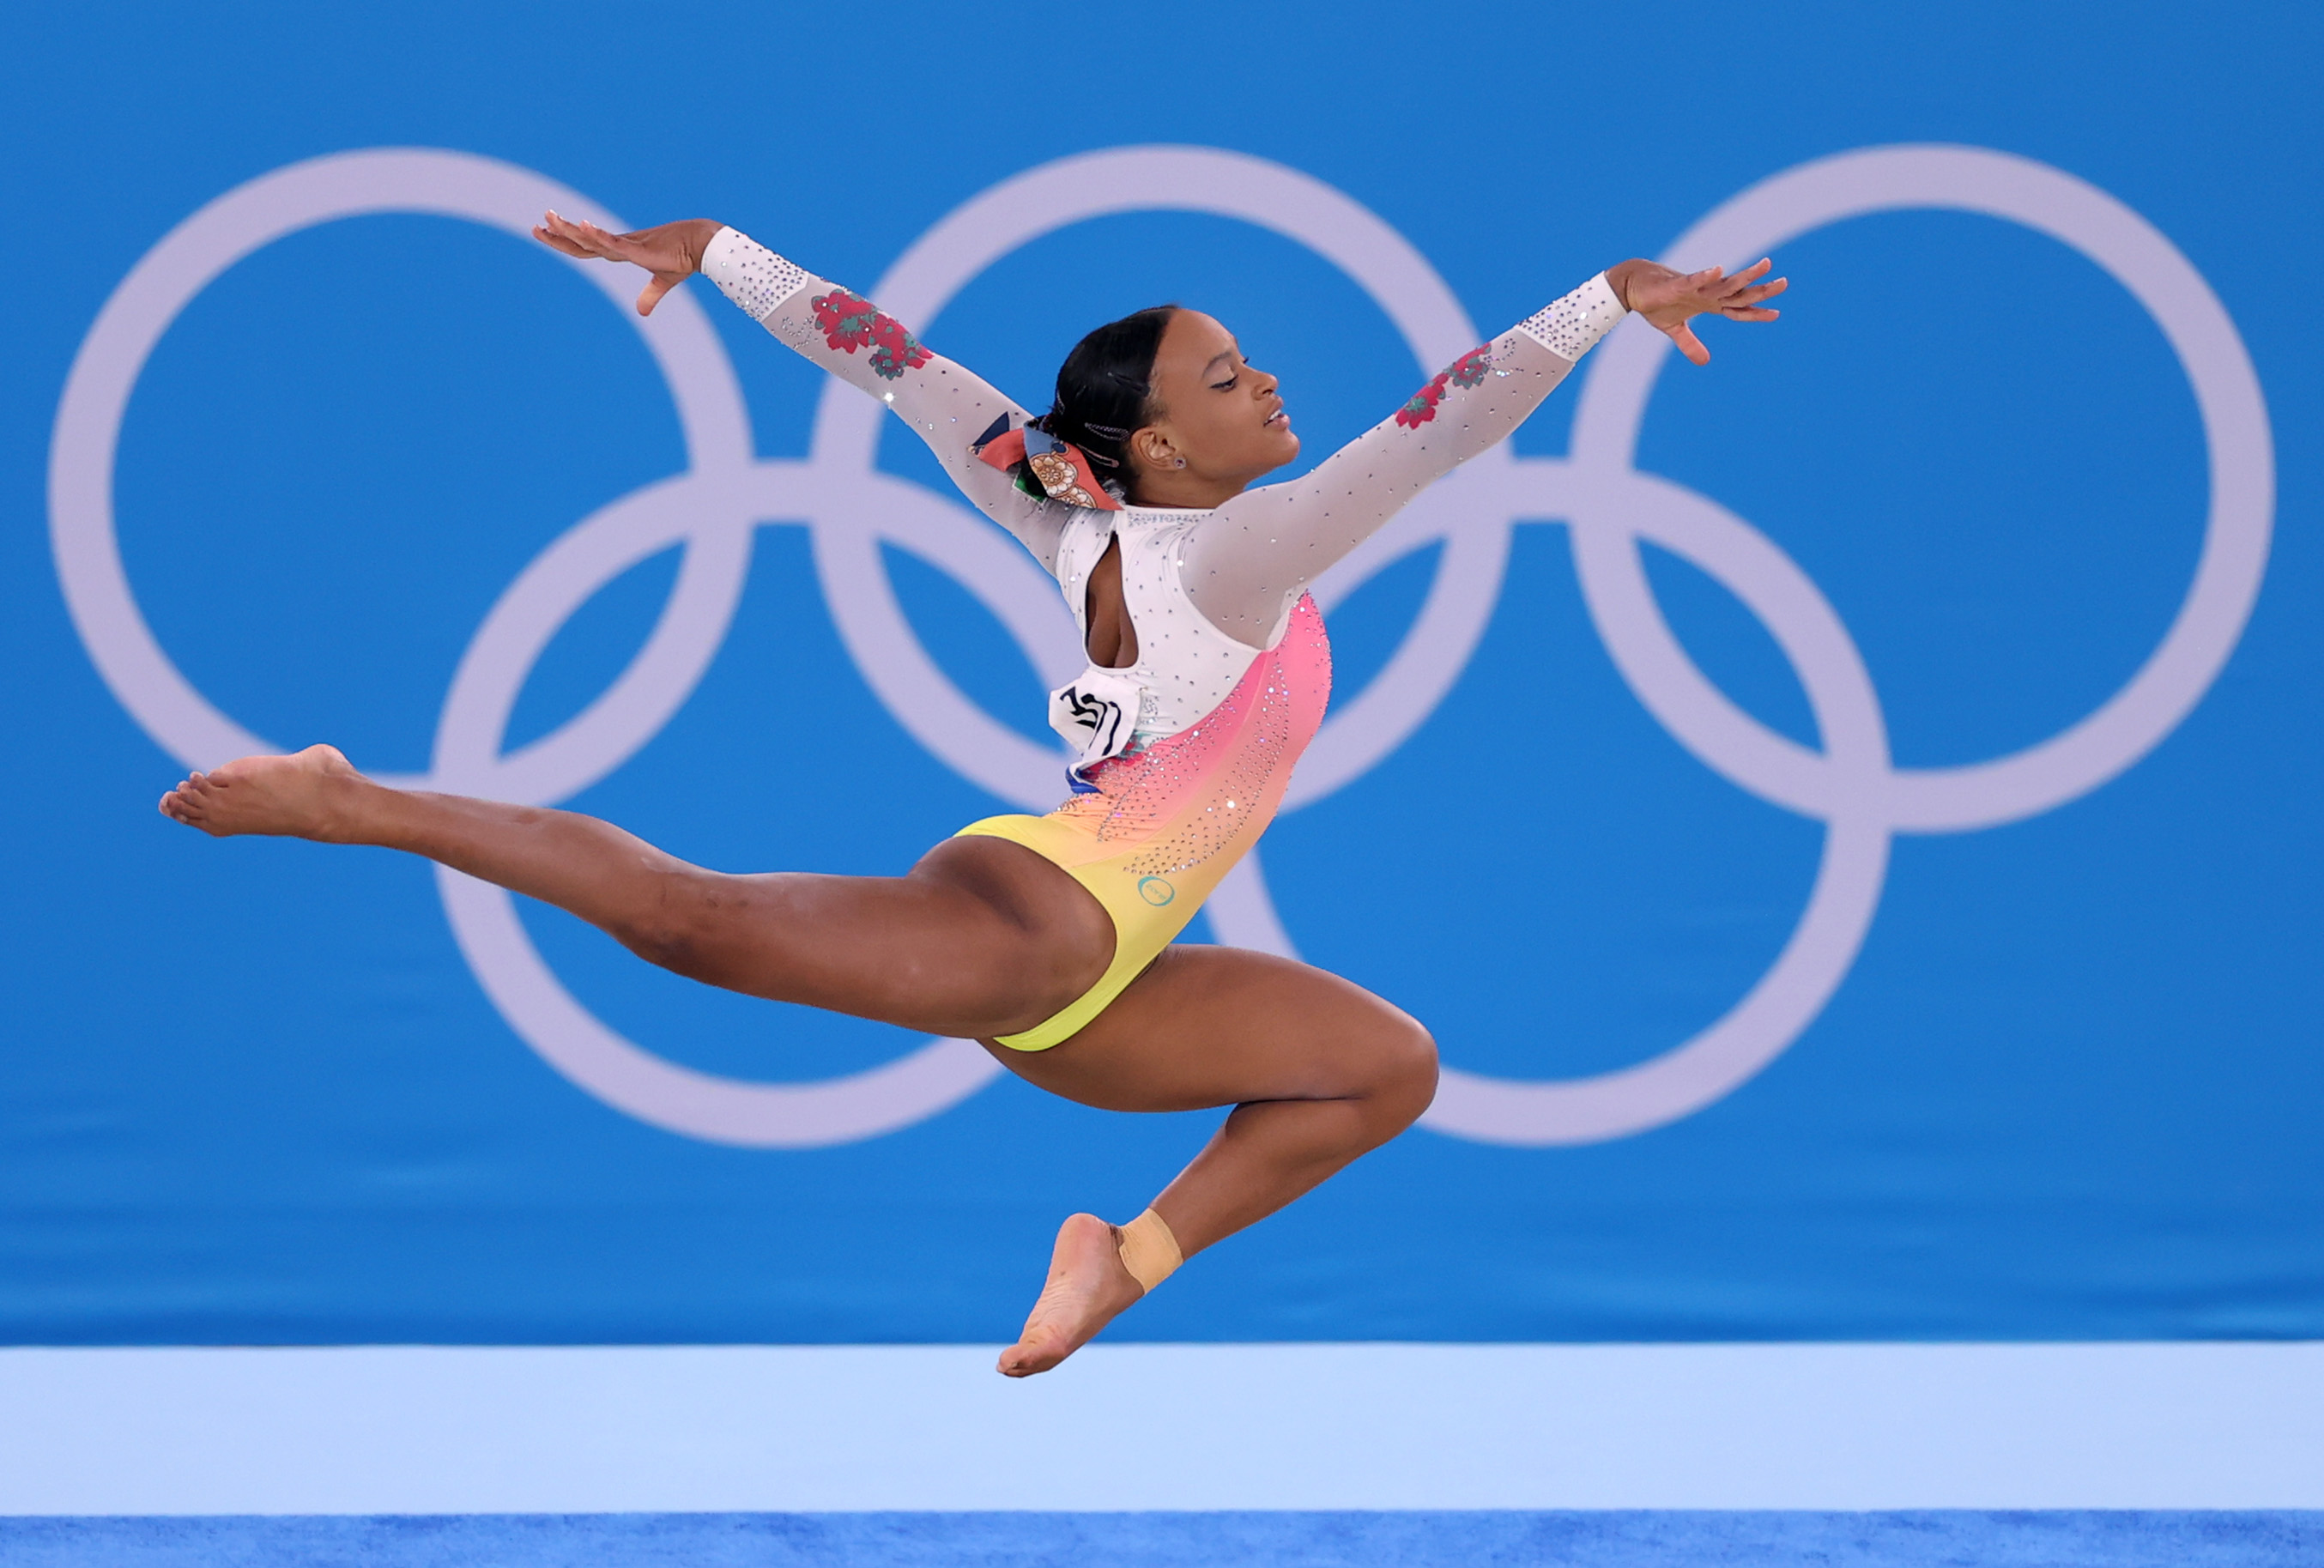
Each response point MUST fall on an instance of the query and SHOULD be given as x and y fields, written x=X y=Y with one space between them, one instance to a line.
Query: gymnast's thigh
x=1208 y=1026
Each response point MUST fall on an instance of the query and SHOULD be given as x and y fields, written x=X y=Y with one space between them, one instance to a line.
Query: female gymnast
x=1049 y=938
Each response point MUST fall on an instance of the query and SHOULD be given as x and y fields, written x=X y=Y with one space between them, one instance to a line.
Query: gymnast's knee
x=1405 y=1084
x=673 y=923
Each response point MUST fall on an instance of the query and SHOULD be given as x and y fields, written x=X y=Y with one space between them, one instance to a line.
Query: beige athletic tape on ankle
x=1148 y=1251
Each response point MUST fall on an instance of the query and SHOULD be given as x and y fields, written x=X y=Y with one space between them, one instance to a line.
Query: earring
x=1180 y=463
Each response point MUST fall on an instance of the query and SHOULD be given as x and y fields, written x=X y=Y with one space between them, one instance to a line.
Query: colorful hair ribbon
x=1060 y=468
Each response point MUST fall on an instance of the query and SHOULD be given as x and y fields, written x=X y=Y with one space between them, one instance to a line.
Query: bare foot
x=302 y=795
x=1088 y=1288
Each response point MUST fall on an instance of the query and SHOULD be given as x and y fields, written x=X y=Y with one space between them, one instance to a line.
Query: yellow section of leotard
x=1148 y=912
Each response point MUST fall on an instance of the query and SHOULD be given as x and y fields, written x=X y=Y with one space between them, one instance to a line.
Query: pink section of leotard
x=1214 y=786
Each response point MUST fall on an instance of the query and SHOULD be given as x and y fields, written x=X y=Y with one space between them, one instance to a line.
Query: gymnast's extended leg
x=982 y=937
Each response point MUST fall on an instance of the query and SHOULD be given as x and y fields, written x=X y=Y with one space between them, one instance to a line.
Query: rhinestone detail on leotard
x=1567 y=327
x=751 y=274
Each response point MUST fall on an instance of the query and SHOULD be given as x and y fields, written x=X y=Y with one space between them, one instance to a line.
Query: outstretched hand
x=671 y=252
x=1669 y=300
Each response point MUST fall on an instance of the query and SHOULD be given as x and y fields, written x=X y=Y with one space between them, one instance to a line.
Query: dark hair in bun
x=1105 y=392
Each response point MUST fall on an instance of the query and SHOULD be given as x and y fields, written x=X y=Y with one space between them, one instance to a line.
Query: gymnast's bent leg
x=981 y=937
x=1319 y=1071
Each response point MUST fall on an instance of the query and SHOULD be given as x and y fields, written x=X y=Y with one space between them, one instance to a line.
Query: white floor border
x=418 y=1429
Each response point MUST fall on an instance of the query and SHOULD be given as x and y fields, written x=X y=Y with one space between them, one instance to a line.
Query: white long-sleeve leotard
x=1204 y=590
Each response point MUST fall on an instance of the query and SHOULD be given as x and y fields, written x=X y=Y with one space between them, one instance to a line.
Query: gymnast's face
x=1222 y=415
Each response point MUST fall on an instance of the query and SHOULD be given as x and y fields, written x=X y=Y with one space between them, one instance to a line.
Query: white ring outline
x=164 y=281
x=1852 y=785
x=1853 y=794
x=2239 y=447
x=713 y=499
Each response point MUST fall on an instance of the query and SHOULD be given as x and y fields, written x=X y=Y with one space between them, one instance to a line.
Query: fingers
x=1714 y=288
x=1744 y=288
x=659 y=284
x=1746 y=306
x=1715 y=283
x=581 y=239
x=563 y=234
x=558 y=242
x=1740 y=296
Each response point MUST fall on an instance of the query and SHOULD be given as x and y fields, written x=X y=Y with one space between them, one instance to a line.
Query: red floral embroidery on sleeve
x=850 y=322
x=1467 y=370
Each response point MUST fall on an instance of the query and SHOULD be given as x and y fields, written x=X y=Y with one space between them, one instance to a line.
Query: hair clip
x=1059 y=467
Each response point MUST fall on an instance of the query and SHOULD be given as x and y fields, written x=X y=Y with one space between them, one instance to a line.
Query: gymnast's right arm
x=947 y=406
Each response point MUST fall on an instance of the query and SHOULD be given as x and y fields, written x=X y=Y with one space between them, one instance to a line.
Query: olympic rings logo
x=851 y=509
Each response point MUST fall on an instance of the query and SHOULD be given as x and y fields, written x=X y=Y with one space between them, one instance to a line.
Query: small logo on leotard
x=1155 y=892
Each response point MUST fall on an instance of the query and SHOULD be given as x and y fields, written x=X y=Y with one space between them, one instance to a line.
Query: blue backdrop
x=2038 y=1057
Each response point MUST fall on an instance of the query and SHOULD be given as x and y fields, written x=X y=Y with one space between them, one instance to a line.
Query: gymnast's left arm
x=1251 y=560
